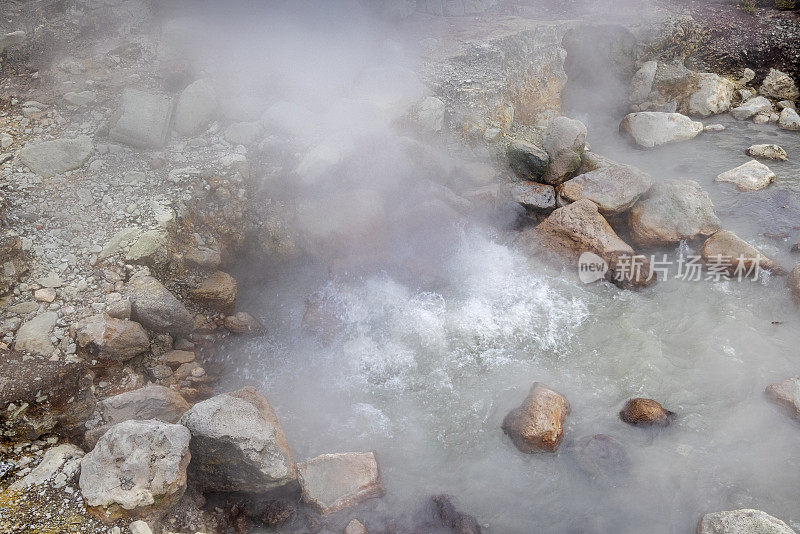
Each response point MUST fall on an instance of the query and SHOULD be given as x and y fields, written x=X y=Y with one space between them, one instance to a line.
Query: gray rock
x=527 y=160
x=652 y=128
x=749 y=176
x=156 y=308
x=673 y=211
x=108 y=338
x=564 y=141
x=332 y=482
x=119 y=242
x=767 y=151
x=533 y=195
x=779 y=85
x=355 y=527
x=149 y=248
x=143 y=119
x=614 y=188
x=714 y=95
x=12 y=39
x=786 y=394
x=80 y=98
x=243 y=133
x=195 y=108
x=783 y=104
x=57 y=467
x=601 y=456
x=742 y=522
x=642 y=83
x=752 y=107
x=34 y=335
x=137 y=467
x=429 y=114
x=789 y=120
x=49 y=158
x=238 y=444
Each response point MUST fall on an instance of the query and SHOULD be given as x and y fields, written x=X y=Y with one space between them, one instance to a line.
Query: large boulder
x=538 y=424
x=789 y=120
x=137 y=469
x=727 y=249
x=112 y=339
x=673 y=211
x=786 y=394
x=238 y=444
x=34 y=335
x=714 y=95
x=527 y=160
x=332 y=482
x=49 y=158
x=578 y=228
x=150 y=402
x=780 y=86
x=742 y=522
x=750 y=176
x=195 y=108
x=142 y=120
x=614 y=188
x=156 y=308
x=754 y=106
x=652 y=128
x=564 y=141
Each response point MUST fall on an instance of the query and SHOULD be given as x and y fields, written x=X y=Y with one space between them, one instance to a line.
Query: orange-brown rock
x=538 y=424
x=645 y=412
x=218 y=290
x=727 y=249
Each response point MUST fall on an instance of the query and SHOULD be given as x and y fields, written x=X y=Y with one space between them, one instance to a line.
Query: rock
x=714 y=95
x=137 y=468
x=527 y=160
x=726 y=248
x=120 y=309
x=614 y=188
x=783 y=104
x=794 y=281
x=767 y=152
x=140 y=527
x=62 y=462
x=578 y=228
x=149 y=248
x=751 y=107
x=533 y=195
x=742 y=522
x=238 y=444
x=12 y=260
x=714 y=128
x=355 y=527
x=786 y=394
x=448 y=515
x=780 y=86
x=789 y=120
x=45 y=294
x=52 y=280
x=196 y=106
x=601 y=456
x=49 y=158
x=143 y=119
x=564 y=141
x=672 y=212
x=537 y=425
x=156 y=308
x=34 y=335
x=332 y=482
x=38 y=396
x=150 y=402
x=175 y=358
x=80 y=98
x=645 y=412
x=119 y=241
x=750 y=176
x=748 y=75
x=652 y=128
x=642 y=83
x=762 y=118
x=243 y=323
x=243 y=133
x=107 y=338
x=429 y=114
x=12 y=39
x=218 y=290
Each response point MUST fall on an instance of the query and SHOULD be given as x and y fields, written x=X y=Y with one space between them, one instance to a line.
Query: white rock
x=714 y=95
x=767 y=151
x=750 y=176
x=789 y=120
x=642 y=83
x=196 y=106
x=742 y=522
x=779 y=85
x=140 y=527
x=144 y=119
x=332 y=482
x=752 y=107
x=34 y=335
x=49 y=158
x=652 y=128
x=429 y=114
x=64 y=459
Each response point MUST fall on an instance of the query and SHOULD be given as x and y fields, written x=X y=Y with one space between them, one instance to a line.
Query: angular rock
x=786 y=394
x=355 y=527
x=752 y=107
x=614 y=188
x=218 y=290
x=750 y=176
x=150 y=402
x=564 y=141
x=143 y=119
x=538 y=424
x=789 y=120
x=645 y=412
x=601 y=456
x=175 y=358
x=527 y=160
x=673 y=211
x=34 y=335
x=140 y=527
x=112 y=339
x=729 y=249
x=156 y=308
x=652 y=128
x=642 y=83
x=195 y=108
x=238 y=444
x=780 y=86
x=149 y=248
x=533 y=195
x=714 y=95
x=137 y=468
x=429 y=114
x=742 y=522
x=57 y=467
x=332 y=482
x=767 y=151
x=49 y=158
